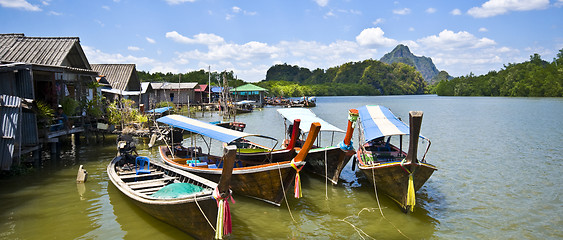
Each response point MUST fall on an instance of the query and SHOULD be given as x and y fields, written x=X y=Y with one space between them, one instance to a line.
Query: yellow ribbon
x=411 y=197
x=298 y=192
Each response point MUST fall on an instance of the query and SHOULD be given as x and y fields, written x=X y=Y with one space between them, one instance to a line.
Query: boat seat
x=142 y=165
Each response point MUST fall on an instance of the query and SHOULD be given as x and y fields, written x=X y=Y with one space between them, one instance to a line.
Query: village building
x=123 y=80
x=177 y=93
x=38 y=70
x=202 y=93
x=249 y=92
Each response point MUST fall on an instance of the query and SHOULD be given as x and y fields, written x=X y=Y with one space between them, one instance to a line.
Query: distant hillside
x=402 y=54
x=368 y=77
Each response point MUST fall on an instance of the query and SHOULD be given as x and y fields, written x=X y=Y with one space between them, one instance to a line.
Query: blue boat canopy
x=206 y=129
x=159 y=110
x=378 y=121
x=307 y=117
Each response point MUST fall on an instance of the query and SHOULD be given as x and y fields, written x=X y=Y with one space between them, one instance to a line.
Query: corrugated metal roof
x=54 y=51
x=248 y=88
x=120 y=76
x=168 y=85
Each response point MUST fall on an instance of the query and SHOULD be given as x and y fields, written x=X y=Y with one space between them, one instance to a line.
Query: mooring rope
x=379 y=206
x=202 y=213
x=284 y=196
x=326 y=178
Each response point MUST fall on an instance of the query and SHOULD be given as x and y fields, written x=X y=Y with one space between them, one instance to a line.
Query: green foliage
x=201 y=77
x=44 y=112
x=94 y=107
x=369 y=77
x=123 y=112
x=164 y=104
x=70 y=106
x=534 y=78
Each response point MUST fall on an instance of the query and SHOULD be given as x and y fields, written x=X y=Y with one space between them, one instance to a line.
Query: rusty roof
x=53 y=51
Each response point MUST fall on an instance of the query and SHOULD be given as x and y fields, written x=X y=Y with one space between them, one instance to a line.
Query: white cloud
x=455 y=12
x=431 y=10
x=133 y=48
x=483 y=29
x=237 y=10
x=321 y=3
x=176 y=2
x=202 y=38
x=20 y=4
x=403 y=11
x=106 y=7
x=497 y=7
x=448 y=40
x=381 y=20
x=150 y=40
x=411 y=29
x=559 y=3
x=53 y=13
x=374 y=37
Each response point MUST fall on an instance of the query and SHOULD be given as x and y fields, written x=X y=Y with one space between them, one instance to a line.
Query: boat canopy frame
x=377 y=121
x=307 y=116
x=212 y=131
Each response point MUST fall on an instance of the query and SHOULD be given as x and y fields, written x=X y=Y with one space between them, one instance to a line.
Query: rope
x=284 y=196
x=326 y=178
x=202 y=213
x=224 y=223
x=379 y=206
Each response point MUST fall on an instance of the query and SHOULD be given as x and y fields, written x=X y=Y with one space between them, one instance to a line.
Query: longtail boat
x=260 y=179
x=179 y=198
x=394 y=172
x=325 y=161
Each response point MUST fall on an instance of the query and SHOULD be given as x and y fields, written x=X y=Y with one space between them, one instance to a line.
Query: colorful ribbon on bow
x=224 y=224
x=298 y=192
x=411 y=197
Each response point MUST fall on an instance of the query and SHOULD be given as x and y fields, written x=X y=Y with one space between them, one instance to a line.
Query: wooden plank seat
x=150 y=181
x=147 y=185
x=130 y=176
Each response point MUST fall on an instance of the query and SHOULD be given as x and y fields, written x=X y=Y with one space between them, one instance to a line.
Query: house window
x=171 y=97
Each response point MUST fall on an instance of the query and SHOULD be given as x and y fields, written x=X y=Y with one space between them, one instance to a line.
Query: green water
x=499 y=177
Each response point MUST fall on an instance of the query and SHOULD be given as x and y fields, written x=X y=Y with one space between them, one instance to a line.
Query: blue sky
x=248 y=37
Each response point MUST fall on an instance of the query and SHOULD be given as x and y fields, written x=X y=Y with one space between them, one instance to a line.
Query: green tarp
x=177 y=190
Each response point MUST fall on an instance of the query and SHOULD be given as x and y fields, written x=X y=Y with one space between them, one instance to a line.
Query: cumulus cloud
x=20 y=4
x=373 y=37
x=403 y=11
x=497 y=7
x=202 y=38
x=431 y=10
x=176 y=2
x=455 y=12
x=321 y=3
x=483 y=29
x=448 y=40
x=150 y=40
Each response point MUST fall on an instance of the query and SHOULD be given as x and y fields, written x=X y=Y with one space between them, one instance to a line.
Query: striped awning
x=378 y=121
x=206 y=129
x=307 y=117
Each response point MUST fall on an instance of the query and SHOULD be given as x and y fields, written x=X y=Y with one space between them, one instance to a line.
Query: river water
x=499 y=177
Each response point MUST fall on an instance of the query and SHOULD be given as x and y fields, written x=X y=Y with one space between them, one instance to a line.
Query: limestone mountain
x=402 y=54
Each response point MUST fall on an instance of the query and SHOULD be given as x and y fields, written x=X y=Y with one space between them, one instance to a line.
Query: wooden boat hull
x=182 y=213
x=263 y=182
x=391 y=179
x=331 y=167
